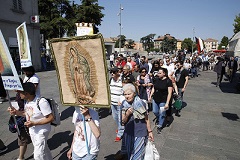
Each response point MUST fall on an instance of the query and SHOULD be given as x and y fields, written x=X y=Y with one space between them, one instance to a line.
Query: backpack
x=20 y=122
x=54 y=107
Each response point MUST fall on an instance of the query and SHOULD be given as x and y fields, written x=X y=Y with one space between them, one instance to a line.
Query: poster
x=82 y=70
x=8 y=72
x=84 y=29
x=23 y=45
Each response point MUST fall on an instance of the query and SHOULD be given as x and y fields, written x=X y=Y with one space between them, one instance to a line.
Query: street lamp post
x=120 y=27
x=193 y=39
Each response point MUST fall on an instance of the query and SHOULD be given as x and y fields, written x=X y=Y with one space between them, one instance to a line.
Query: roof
x=166 y=35
x=109 y=40
x=210 y=40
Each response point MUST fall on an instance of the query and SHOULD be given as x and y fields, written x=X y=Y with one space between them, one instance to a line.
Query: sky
x=179 y=18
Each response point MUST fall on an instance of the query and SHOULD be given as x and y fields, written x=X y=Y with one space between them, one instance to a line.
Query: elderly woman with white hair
x=137 y=125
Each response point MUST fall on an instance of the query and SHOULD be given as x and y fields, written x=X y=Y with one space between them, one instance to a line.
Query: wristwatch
x=89 y=119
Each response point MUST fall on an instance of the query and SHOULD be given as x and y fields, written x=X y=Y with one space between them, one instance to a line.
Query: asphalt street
x=208 y=128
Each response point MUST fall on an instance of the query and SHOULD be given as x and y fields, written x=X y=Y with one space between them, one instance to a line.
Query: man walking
x=181 y=75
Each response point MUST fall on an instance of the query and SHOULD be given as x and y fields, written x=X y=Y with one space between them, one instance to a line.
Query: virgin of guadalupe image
x=5 y=67
x=80 y=77
x=23 y=46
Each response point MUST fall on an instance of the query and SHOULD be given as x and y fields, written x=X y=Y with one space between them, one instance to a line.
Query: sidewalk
x=208 y=128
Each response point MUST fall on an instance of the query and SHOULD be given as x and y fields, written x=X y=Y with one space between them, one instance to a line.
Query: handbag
x=151 y=152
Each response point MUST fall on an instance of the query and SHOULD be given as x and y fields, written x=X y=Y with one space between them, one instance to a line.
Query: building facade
x=158 y=42
x=13 y=14
x=210 y=44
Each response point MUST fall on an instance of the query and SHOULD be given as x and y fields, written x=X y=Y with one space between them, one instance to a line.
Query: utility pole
x=193 y=39
x=120 y=27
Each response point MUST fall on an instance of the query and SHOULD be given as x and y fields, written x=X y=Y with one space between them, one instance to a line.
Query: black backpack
x=20 y=122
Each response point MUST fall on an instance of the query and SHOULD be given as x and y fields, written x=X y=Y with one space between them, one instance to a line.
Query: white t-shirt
x=130 y=65
x=170 y=69
x=187 y=65
x=111 y=57
x=36 y=80
x=34 y=114
x=79 y=145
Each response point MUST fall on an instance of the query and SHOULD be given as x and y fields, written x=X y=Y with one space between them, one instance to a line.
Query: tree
x=224 y=42
x=187 y=43
x=123 y=40
x=168 y=45
x=52 y=21
x=90 y=12
x=236 y=25
x=148 y=42
x=58 y=17
x=130 y=44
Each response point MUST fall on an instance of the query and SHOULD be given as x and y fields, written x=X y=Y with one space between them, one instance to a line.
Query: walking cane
x=14 y=118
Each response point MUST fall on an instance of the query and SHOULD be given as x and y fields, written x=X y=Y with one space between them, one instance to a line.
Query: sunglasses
x=143 y=72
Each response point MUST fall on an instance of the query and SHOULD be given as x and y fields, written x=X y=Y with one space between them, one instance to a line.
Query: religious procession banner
x=82 y=70
x=8 y=71
x=23 y=45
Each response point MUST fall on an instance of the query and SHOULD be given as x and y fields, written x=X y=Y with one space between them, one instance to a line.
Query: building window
x=17 y=5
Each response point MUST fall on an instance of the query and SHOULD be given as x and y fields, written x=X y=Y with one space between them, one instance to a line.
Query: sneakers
x=117 y=139
x=4 y=149
x=177 y=114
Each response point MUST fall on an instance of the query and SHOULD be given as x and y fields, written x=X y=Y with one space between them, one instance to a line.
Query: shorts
x=24 y=138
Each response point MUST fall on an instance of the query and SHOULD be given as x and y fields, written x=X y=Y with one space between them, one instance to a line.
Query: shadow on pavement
x=59 y=138
x=103 y=112
x=230 y=116
x=12 y=146
x=67 y=113
x=110 y=157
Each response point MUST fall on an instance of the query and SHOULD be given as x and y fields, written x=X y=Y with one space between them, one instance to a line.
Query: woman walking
x=137 y=125
x=161 y=94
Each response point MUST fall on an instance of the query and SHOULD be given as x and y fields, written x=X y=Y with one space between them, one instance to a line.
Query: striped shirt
x=116 y=90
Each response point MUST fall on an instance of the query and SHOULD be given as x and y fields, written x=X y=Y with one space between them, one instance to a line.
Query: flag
x=199 y=43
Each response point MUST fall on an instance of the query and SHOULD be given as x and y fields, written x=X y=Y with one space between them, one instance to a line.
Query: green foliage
x=123 y=40
x=90 y=12
x=224 y=42
x=148 y=42
x=236 y=24
x=168 y=45
x=187 y=43
x=58 y=17
x=130 y=44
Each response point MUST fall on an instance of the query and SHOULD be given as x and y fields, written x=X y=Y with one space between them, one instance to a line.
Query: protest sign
x=9 y=74
x=84 y=29
x=23 y=45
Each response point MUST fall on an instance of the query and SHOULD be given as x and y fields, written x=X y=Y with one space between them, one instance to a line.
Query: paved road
x=208 y=128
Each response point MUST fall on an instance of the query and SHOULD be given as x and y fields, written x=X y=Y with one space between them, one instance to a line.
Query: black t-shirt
x=161 y=89
x=184 y=74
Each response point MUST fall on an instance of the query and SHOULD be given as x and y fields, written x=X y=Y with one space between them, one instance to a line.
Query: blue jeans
x=156 y=110
x=86 y=157
x=117 y=116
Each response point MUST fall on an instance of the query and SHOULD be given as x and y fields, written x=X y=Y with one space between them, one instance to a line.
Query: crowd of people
x=137 y=87
x=146 y=86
